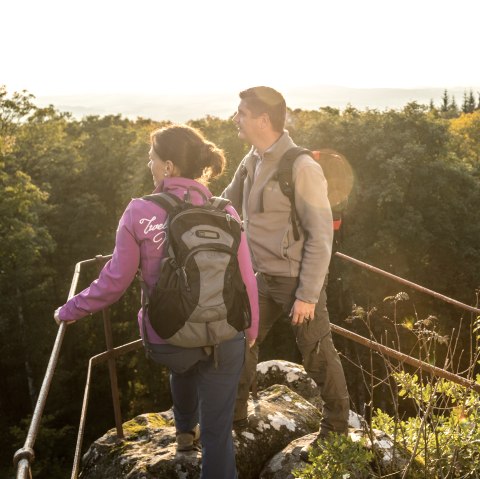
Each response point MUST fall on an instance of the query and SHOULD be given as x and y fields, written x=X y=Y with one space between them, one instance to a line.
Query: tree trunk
x=32 y=392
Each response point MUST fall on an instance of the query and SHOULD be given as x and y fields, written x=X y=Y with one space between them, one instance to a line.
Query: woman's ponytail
x=193 y=155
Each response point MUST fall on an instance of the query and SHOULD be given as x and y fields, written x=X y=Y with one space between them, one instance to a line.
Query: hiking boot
x=240 y=424
x=315 y=445
x=186 y=440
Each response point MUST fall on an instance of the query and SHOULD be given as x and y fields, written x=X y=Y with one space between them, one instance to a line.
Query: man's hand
x=301 y=312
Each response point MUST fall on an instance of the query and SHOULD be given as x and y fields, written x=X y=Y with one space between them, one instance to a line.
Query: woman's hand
x=56 y=317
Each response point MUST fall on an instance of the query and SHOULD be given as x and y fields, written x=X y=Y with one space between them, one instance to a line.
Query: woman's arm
x=114 y=279
x=250 y=281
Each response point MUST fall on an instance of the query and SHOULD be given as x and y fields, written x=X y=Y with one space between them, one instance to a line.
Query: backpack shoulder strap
x=219 y=203
x=242 y=174
x=285 y=168
x=167 y=201
x=285 y=180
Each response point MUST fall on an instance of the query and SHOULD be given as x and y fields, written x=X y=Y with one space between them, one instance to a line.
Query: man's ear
x=264 y=121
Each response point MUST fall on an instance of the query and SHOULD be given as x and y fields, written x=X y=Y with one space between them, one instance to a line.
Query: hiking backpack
x=338 y=174
x=200 y=298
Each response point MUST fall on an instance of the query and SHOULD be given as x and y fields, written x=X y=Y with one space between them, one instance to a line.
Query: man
x=291 y=274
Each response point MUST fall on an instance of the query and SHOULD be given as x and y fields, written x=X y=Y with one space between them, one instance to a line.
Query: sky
x=60 y=47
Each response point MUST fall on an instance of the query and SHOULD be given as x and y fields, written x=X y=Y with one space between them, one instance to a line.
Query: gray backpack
x=200 y=298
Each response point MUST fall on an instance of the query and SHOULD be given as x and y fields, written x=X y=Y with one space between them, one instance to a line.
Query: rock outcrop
x=148 y=450
x=282 y=418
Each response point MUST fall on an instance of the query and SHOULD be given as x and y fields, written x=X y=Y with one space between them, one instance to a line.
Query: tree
x=23 y=284
x=64 y=183
x=465 y=139
x=468 y=105
x=445 y=102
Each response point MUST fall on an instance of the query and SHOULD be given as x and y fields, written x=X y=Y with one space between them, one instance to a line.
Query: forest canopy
x=64 y=183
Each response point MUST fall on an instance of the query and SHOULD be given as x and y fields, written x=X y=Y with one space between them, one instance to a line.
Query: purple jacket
x=140 y=241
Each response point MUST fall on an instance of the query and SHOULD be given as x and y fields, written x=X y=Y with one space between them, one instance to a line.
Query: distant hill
x=181 y=108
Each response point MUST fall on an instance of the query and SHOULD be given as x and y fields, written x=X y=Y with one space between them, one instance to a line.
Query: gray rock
x=390 y=460
x=148 y=450
x=292 y=375
x=282 y=465
x=278 y=417
x=282 y=419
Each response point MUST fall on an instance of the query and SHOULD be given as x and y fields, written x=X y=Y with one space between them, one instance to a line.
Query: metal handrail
x=405 y=358
x=99 y=358
x=442 y=297
x=24 y=456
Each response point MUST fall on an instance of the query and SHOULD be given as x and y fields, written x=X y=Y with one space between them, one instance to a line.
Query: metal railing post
x=112 y=371
x=99 y=358
x=112 y=366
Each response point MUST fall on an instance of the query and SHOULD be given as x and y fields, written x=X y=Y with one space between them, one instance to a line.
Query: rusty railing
x=25 y=456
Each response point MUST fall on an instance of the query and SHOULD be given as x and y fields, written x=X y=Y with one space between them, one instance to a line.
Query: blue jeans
x=204 y=393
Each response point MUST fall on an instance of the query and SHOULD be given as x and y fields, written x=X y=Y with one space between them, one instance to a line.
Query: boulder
x=148 y=450
x=390 y=460
x=283 y=417
x=292 y=375
x=276 y=418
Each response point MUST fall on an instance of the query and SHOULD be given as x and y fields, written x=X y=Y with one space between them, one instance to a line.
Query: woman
x=202 y=392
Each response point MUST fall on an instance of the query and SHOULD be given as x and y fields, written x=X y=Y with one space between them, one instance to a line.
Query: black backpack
x=200 y=298
x=337 y=171
x=338 y=174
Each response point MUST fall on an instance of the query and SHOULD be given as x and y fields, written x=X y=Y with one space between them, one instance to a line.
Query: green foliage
x=64 y=184
x=433 y=422
x=53 y=450
x=338 y=457
x=445 y=436
x=442 y=433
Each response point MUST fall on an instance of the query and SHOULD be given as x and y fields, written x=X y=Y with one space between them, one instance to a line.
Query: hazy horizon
x=186 y=107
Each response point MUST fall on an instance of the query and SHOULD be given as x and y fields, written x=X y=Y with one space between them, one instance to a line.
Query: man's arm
x=315 y=216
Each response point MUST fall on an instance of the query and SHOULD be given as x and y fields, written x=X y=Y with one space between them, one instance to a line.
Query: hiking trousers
x=276 y=295
x=204 y=393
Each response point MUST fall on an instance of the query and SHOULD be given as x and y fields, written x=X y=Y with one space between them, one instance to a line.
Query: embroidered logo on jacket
x=159 y=230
